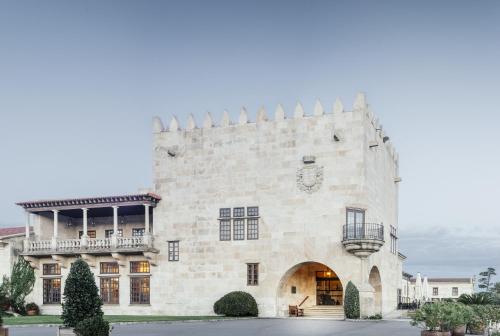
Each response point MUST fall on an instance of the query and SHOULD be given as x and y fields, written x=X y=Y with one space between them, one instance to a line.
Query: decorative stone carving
x=310 y=178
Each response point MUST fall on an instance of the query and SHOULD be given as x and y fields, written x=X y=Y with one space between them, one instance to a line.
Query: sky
x=81 y=80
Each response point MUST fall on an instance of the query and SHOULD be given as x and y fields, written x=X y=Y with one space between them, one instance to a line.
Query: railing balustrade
x=68 y=244
x=371 y=231
x=131 y=242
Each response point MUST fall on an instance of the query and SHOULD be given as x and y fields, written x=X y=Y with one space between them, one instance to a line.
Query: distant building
x=11 y=244
x=434 y=289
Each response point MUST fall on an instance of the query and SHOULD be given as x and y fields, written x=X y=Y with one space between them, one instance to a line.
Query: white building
x=287 y=209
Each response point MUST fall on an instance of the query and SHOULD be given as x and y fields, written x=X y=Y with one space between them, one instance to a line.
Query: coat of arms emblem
x=309 y=178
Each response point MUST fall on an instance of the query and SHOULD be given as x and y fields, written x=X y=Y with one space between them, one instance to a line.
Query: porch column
x=147 y=233
x=84 y=240
x=114 y=237
x=56 y=228
x=27 y=229
x=27 y=232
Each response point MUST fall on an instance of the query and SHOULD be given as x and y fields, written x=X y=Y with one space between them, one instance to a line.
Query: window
x=90 y=233
x=253 y=228
x=225 y=213
x=139 y=290
x=109 y=233
x=173 y=250
x=51 y=291
x=138 y=232
x=238 y=222
x=51 y=269
x=454 y=291
x=110 y=290
x=139 y=267
x=225 y=230
x=252 y=274
x=394 y=240
x=238 y=212
x=355 y=220
x=109 y=268
x=435 y=291
x=239 y=229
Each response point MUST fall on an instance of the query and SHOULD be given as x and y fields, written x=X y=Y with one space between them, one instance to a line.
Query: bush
x=351 y=301
x=375 y=317
x=236 y=304
x=483 y=298
x=81 y=296
x=13 y=291
x=93 y=326
x=442 y=316
x=33 y=306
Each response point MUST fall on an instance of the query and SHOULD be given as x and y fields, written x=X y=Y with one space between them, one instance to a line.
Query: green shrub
x=483 y=298
x=81 y=296
x=351 y=302
x=375 y=317
x=442 y=316
x=93 y=326
x=13 y=291
x=236 y=304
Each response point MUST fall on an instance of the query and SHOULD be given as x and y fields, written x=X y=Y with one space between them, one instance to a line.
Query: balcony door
x=355 y=222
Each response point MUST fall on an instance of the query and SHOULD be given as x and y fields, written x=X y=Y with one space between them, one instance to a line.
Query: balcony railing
x=90 y=245
x=365 y=231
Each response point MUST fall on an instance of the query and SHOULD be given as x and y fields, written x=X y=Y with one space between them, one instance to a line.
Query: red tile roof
x=4 y=232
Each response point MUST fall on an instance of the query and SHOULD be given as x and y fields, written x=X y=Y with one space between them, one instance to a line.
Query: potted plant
x=3 y=331
x=429 y=319
x=443 y=318
x=32 y=309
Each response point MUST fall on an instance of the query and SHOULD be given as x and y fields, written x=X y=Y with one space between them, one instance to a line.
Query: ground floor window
x=454 y=291
x=139 y=290
x=435 y=291
x=110 y=290
x=252 y=274
x=51 y=291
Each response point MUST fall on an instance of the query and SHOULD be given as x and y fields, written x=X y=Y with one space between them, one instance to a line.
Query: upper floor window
x=51 y=269
x=454 y=291
x=236 y=223
x=435 y=291
x=90 y=234
x=394 y=240
x=355 y=216
x=109 y=233
x=139 y=267
x=173 y=250
x=138 y=232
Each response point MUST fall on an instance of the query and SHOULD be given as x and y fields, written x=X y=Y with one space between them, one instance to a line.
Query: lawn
x=55 y=319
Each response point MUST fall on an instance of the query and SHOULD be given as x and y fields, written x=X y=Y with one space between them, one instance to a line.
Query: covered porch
x=97 y=225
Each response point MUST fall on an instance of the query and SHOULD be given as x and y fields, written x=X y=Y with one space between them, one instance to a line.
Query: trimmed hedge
x=94 y=326
x=351 y=302
x=236 y=304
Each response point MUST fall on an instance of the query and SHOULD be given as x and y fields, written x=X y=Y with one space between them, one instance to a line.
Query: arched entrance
x=309 y=284
x=376 y=282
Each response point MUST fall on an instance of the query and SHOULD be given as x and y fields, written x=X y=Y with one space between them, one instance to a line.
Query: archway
x=309 y=284
x=376 y=282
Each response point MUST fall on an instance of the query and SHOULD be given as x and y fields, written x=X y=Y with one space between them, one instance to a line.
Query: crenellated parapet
x=359 y=106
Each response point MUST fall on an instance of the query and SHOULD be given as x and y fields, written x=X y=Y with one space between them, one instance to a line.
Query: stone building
x=287 y=209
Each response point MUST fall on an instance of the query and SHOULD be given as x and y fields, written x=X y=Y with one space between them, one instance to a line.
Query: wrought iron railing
x=371 y=231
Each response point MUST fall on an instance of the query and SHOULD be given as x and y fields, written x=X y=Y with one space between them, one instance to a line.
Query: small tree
x=351 y=301
x=20 y=284
x=81 y=296
x=485 y=279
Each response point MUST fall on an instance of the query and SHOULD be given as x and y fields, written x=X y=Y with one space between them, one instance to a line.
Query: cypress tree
x=351 y=301
x=81 y=296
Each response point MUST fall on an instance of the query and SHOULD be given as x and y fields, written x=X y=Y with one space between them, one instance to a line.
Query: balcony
x=124 y=245
x=363 y=239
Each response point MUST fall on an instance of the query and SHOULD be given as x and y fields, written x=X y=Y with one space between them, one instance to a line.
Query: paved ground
x=258 y=327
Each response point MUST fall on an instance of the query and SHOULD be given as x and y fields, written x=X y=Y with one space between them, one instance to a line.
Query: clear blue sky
x=80 y=81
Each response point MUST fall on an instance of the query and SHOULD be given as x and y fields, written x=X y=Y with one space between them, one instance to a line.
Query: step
x=327 y=312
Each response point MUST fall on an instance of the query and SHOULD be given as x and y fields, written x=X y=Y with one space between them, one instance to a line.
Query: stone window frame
x=173 y=250
x=252 y=274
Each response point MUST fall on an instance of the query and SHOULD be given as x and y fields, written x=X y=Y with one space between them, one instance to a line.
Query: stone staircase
x=326 y=312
